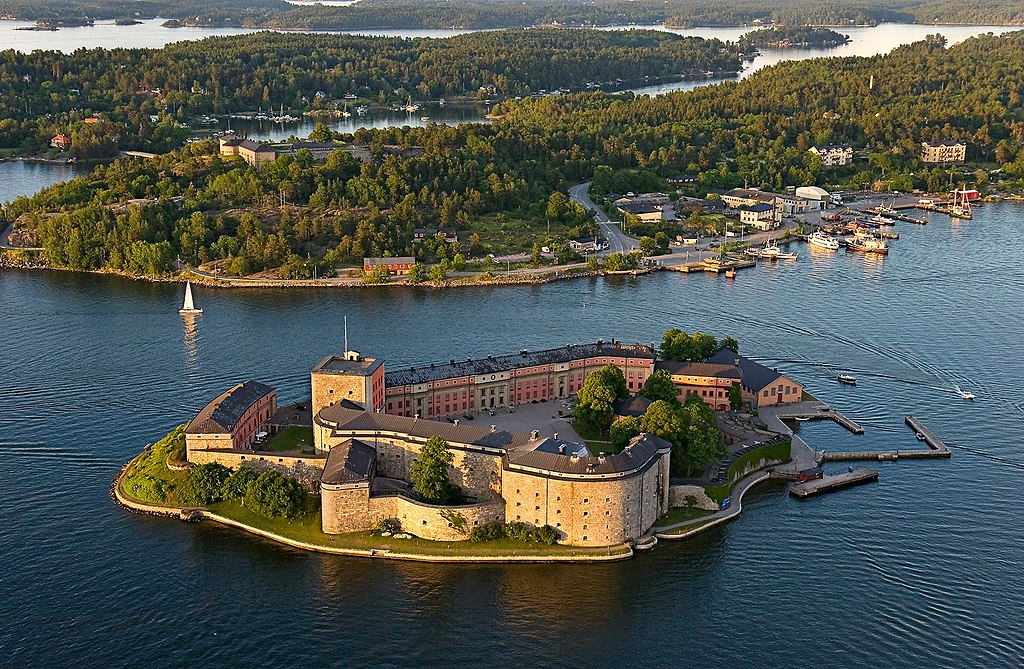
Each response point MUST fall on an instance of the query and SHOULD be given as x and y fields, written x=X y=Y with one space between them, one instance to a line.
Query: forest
x=144 y=95
x=493 y=14
x=802 y=36
x=755 y=131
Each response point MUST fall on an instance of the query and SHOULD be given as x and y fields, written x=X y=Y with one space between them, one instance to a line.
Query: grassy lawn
x=307 y=529
x=293 y=438
x=777 y=452
x=680 y=514
x=687 y=529
x=148 y=479
x=807 y=397
x=514 y=232
x=595 y=441
x=9 y=153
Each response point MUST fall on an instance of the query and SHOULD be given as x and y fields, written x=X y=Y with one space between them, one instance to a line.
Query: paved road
x=618 y=242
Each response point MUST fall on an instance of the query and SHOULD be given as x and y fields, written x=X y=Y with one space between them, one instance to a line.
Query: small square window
x=586 y=513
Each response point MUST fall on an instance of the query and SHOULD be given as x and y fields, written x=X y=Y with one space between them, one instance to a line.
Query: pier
x=713 y=264
x=897 y=215
x=936 y=448
x=804 y=411
x=831 y=482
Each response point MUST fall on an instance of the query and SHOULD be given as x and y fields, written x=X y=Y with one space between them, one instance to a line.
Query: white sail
x=188 y=307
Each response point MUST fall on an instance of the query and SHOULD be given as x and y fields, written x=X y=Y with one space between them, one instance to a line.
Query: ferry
x=823 y=240
x=867 y=243
x=847 y=379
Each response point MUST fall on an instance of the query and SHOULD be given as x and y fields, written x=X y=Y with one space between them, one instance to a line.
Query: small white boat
x=966 y=395
x=802 y=419
x=921 y=437
x=424 y=118
x=787 y=255
x=188 y=307
x=770 y=251
x=362 y=109
x=847 y=379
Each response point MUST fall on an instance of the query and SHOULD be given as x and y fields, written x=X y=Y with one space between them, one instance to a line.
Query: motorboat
x=823 y=240
x=921 y=437
x=787 y=255
x=847 y=379
x=966 y=394
x=770 y=251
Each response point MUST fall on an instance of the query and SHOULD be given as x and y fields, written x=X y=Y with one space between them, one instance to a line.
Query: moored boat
x=867 y=243
x=823 y=240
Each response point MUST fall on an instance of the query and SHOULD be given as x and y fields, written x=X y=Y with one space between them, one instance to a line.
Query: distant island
x=783 y=37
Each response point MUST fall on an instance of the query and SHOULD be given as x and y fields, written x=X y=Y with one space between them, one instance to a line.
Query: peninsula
x=585 y=452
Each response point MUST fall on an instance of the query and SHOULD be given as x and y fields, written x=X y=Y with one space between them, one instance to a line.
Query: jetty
x=944 y=209
x=897 y=215
x=831 y=482
x=936 y=448
x=804 y=411
x=714 y=264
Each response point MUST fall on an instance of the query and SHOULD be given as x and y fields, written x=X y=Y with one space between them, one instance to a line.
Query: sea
x=922 y=569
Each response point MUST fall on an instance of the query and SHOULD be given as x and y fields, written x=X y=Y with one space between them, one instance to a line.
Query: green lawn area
x=807 y=397
x=681 y=513
x=687 y=529
x=513 y=232
x=148 y=479
x=9 y=153
x=307 y=530
x=293 y=438
x=595 y=441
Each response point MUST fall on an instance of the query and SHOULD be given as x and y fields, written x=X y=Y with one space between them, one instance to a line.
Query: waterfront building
x=761 y=385
x=233 y=420
x=450 y=389
x=401 y=265
x=783 y=203
x=505 y=477
x=644 y=211
x=945 y=151
x=834 y=155
x=761 y=216
x=61 y=141
x=710 y=381
x=819 y=198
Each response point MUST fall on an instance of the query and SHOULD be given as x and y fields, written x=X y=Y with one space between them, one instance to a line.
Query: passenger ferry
x=823 y=240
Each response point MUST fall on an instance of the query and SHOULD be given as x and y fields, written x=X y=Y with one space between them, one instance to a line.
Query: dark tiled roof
x=222 y=414
x=946 y=142
x=755 y=375
x=638 y=208
x=722 y=370
x=505 y=363
x=254 y=146
x=833 y=147
x=759 y=207
x=349 y=462
x=343 y=419
x=637 y=454
x=632 y=406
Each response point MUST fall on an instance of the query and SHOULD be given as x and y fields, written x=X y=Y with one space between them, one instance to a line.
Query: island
x=585 y=452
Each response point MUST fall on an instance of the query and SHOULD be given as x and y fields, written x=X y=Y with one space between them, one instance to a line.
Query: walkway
x=678 y=530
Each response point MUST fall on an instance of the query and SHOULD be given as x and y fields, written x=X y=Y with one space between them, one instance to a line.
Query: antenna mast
x=346 y=334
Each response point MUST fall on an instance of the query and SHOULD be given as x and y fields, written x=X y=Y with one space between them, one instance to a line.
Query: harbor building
x=944 y=152
x=434 y=390
x=761 y=385
x=818 y=198
x=233 y=420
x=255 y=153
x=709 y=381
x=834 y=155
x=761 y=216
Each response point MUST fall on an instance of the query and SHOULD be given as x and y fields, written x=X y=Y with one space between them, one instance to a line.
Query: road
x=618 y=242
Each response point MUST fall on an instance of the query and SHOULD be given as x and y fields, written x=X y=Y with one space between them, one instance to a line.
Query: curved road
x=618 y=242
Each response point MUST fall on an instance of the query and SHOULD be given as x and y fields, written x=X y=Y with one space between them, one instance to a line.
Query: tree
x=418 y=273
x=236 y=484
x=321 y=133
x=379 y=274
x=276 y=495
x=702 y=440
x=659 y=386
x=438 y=272
x=648 y=245
x=596 y=399
x=623 y=430
x=735 y=396
x=729 y=344
x=662 y=420
x=203 y=485
x=430 y=473
x=615 y=262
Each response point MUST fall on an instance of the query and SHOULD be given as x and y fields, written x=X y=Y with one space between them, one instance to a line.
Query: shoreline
x=194 y=514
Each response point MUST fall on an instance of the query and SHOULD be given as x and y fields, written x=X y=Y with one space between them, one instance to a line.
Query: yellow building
x=255 y=153
x=946 y=151
x=349 y=377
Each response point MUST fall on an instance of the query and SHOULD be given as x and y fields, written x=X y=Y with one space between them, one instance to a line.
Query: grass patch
x=514 y=232
x=595 y=441
x=148 y=479
x=9 y=152
x=777 y=452
x=807 y=397
x=686 y=530
x=292 y=438
x=681 y=514
x=307 y=529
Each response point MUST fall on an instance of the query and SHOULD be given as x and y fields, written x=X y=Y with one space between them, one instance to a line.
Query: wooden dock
x=713 y=264
x=936 y=448
x=897 y=216
x=831 y=414
x=832 y=482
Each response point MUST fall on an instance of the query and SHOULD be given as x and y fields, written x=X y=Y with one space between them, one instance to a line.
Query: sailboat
x=188 y=307
x=961 y=207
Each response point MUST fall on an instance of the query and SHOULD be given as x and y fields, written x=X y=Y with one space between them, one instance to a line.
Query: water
x=18 y=177
x=919 y=570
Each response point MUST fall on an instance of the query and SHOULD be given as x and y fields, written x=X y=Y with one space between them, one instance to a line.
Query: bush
x=518 y=531
x=236 y=484
x=488 y=532
x=392 y=525
x=546 y=535
x=274 y=494
x=146 y=488
x=203 y=486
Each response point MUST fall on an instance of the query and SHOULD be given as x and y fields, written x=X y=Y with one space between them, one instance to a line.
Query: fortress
x=369 y=426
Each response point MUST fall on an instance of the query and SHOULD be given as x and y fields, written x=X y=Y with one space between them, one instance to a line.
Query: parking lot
x=542 y=417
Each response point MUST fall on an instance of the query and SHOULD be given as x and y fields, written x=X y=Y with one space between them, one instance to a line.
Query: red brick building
x=395 y=265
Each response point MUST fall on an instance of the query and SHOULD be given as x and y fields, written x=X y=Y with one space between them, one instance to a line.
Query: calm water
x=18 y=177
x=919 y=570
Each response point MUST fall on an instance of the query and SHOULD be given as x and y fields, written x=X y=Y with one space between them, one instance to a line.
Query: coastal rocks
x=691 y=496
